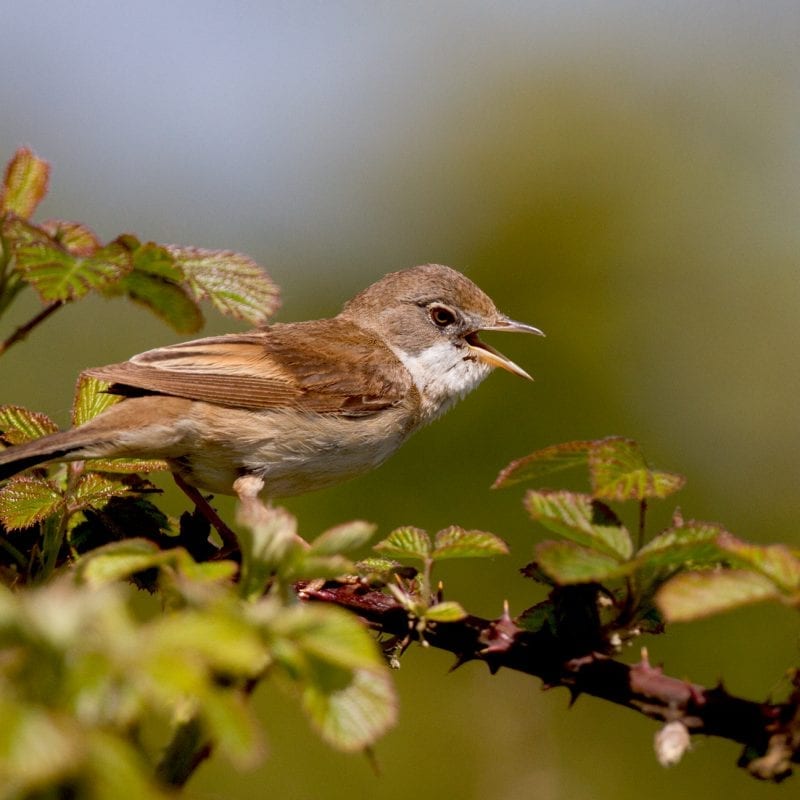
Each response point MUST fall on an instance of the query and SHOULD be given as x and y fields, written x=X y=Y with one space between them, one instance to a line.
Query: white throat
x=443 y=374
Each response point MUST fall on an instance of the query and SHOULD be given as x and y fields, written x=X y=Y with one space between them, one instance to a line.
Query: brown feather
x=327 y=366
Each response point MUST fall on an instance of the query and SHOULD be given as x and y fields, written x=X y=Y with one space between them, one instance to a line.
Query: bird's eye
x=442 y=316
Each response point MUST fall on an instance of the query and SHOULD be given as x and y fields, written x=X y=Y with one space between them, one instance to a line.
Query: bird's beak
x=494 y=358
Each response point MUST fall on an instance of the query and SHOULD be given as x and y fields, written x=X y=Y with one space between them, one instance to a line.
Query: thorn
x=493 y=665
x=574 y=694
x=461 y=659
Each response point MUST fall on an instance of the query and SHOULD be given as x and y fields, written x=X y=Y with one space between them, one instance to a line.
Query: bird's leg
x=230 y=543
x=247 y=489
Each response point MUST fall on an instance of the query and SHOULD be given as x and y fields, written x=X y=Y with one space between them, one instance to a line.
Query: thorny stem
x=764 y=728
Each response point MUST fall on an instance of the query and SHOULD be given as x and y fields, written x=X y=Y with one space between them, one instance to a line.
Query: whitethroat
x=294 y=407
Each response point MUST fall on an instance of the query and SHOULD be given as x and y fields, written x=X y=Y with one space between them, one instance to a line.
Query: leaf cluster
x=63 y=261
x=638 y=582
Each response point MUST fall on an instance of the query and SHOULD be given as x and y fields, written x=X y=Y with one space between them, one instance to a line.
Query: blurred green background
x=624 y=175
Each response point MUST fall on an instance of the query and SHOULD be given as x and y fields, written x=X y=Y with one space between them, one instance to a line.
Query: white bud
x=671 y=742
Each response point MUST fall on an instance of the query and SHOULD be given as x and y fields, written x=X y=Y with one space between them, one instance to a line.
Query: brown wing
x=326 y=366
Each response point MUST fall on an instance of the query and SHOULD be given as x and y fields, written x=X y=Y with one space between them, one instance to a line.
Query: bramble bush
x=101 y=699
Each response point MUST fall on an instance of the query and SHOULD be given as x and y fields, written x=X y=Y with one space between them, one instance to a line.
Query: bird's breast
x=293 y=451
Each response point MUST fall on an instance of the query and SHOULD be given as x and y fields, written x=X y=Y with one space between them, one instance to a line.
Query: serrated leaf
x=446 y=611
x=24 y=183
x=775 y=561
x=167 y=300
x=156 y=282
x=567 y=563
x=689 y=546
x=694 y=595
x=152 y=258
x=19 y=425
x=455 y=542
x=407 y=542
x=555 y=458
x=343 y=538
x=91 y=399
x=581 y=519
x=57 y=275
x=17 y=232
x=618 y=471
x=27 y=500
x=93 y=490
x=352 y=715
x=234 y=283
x=75 y=237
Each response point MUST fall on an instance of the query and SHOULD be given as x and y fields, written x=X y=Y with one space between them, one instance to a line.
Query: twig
x=23 y=330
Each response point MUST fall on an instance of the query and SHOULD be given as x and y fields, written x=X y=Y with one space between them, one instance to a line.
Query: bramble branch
x=769 y=731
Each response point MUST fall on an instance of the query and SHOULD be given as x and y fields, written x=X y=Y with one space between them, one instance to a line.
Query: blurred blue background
x=624 y=175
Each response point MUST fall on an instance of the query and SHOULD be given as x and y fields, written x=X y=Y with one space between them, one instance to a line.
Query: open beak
x=494 y=358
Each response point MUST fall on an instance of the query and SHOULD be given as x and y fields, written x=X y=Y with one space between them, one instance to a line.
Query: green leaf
x=17 y=233
x=221 y=640
x=117 y=770
x=538 y=617
x=234 y=284
x=156 y=282
x=581 y=519
x=555 y=458
x=446 y=611
x=37 y=748
x=567 y=563
x=775 y=561
x=328 y=634
x=75 y=237
x=19 y=425
x=118 y=560
x=343 y=538
x=377 y=570
x=24 y=183
x=57 y=275
x=455 y=542
x=619 y=472
x=406 y=542
x=351 y=715
x=305 y=565
x=268 y=540
x=126 y=466
x=27 y=500
x=689 y=546
x=93 y=490
x=91 y=399
x=694 y=595
x=232 y=727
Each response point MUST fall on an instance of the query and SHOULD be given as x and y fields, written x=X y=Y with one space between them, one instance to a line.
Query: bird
x=294 y=407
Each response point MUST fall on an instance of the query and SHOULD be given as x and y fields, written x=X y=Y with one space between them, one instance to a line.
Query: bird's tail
x=54 y=447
